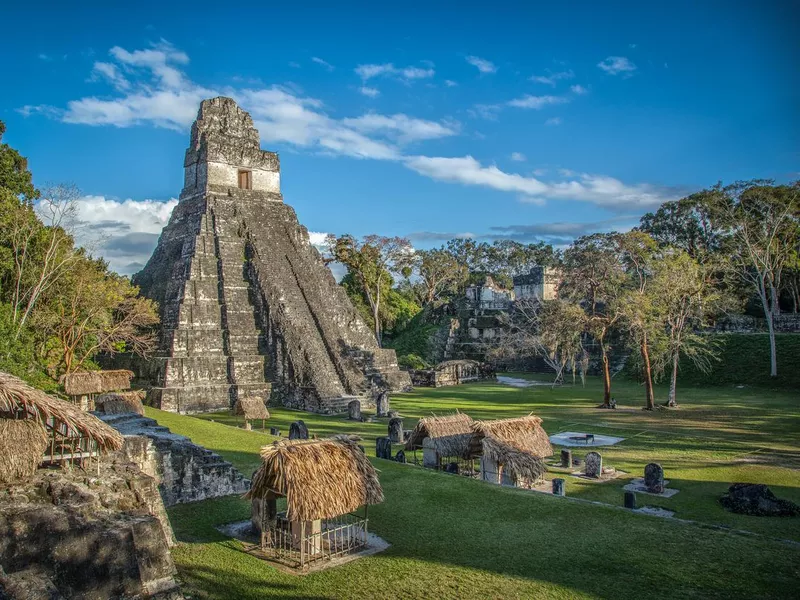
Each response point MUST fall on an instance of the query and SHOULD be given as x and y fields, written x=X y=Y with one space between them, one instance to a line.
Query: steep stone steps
x=186 y=472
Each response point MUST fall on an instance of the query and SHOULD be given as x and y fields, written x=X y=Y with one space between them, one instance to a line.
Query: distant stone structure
x=247 y=306
x=540 y=282
x=489 y=295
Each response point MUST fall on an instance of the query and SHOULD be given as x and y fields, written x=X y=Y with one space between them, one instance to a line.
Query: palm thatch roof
x=22 y=444
x=17 y=397
x=121 y=402
x=518 y=444
x=321 y=479
x=524 y=433
x=96 y=382
x=251 y=407
x=450 y=434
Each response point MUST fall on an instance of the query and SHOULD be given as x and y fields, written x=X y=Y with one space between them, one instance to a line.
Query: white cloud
x=294 y=64
x=468 y=171
x=518 y=157
x=123 y=232
x=450 y=83
x=553 y=121
x=631 y=45
x=317 y=238
x=536 y=102
x=110 y=72
x=614 y=65
x=407 y=129
x=485 y=111
x=367 y=72
x=601 y=190
x=483 y=65
x=552 y=78
x=328 y=66
x=579 y=90
x=45 y=57
x=371 y=92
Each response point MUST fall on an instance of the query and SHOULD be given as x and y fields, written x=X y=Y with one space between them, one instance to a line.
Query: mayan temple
x=247 y=305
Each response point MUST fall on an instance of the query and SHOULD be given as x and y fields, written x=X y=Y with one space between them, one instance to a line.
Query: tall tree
x=42 y=254
x=440 y=273
x=594 y=276
x=97 y=311
x=763 y=221
x=684 y=295
x=550 y=329
x=689 y=224
x=371 y=262
x=639 y=311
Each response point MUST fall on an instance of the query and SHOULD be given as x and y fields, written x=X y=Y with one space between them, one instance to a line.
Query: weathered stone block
x=594 y=465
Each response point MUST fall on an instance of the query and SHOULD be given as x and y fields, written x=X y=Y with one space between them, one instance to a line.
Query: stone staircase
x=186 y=472
x=216 y=353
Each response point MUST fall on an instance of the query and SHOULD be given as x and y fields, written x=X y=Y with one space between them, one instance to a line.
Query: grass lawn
x=457 y=538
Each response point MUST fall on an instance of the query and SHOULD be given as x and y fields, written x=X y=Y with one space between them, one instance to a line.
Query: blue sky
x=428 y=120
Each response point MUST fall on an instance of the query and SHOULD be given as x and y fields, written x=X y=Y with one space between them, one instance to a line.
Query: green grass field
x=457 y=538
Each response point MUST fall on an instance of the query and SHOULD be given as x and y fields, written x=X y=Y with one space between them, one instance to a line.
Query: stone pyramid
x=247 y=305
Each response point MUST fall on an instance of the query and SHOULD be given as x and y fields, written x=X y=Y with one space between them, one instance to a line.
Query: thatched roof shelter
x=518 y=444
x=85 y=383
x=121 y=402
x=320 y=479
x=22 y=444
x=251 y=408
x=18 y=398
x=450 y=434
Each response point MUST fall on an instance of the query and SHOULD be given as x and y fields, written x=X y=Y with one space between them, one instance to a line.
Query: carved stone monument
x=558 y=487
x=247 y=306
x=383 y=448
x=298 y=431
x=354 y=410
x=382 y=404
x=396 y=430
x=566 y=458
x=654 y=478
x=594 y=465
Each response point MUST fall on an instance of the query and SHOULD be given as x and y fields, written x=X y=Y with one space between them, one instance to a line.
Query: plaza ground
x=453 y=537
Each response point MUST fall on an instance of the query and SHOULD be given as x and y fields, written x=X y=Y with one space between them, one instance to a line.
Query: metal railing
x=297 y=544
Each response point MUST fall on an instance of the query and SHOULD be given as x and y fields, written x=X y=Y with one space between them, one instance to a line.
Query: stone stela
x=247 y=305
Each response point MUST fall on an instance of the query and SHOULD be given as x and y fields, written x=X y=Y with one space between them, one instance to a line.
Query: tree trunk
x=606 y=380
x=650 y=403
x=768 y=314
x=376 y=317
x=673 y=383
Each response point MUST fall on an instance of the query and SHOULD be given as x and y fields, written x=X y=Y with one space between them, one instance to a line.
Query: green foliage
x=59 y=307
x=412 y=361
x=744 y=359
x=415 y=339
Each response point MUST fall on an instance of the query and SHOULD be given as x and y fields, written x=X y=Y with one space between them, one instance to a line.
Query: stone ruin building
x=247 y=306
x=540 y=282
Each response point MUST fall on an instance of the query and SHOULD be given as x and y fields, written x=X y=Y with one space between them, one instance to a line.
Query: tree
x=637 y=308
x=98 y=311
x=41 y=253
x=440 y=273
x=594 y=276
x=552 y=329
x=688 y=224
x=684 y=295
x=371 y=261
x=763 y=222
